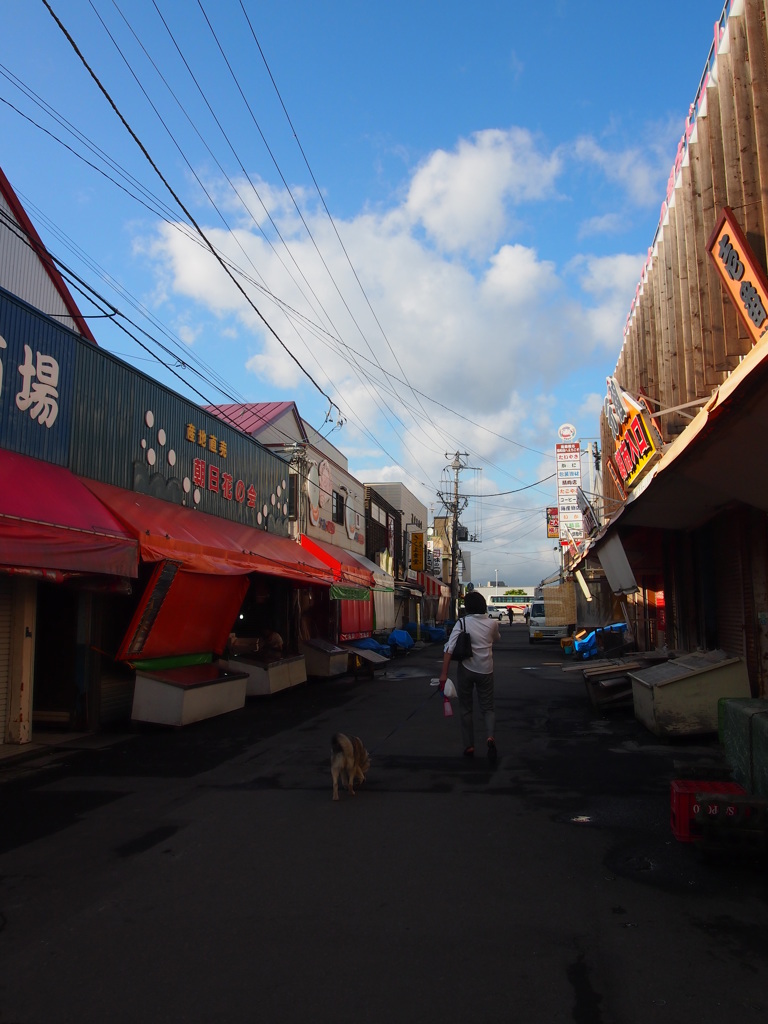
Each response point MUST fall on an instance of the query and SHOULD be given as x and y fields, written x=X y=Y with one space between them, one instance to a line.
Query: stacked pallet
x=608 y=683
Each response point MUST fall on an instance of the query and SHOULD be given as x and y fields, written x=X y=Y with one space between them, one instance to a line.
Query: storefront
x=694 y=531
x=62 y=553
x=180 y=514
x=215 y=586
x=383 y=594
x=436 y=599
x=352 y=606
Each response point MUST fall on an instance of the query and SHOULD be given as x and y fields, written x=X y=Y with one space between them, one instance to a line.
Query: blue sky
x=440 y=211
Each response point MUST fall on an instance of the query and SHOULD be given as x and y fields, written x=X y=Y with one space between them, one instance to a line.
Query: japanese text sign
x=741 y=273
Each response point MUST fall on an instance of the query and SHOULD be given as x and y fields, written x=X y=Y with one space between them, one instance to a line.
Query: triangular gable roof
x=33 y=248
x=255 y=417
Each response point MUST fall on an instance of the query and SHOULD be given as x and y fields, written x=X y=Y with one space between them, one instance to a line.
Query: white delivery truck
x=553 y=612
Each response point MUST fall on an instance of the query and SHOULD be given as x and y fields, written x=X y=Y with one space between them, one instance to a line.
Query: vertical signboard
x=553 y=524
x=417 y=552
x=568 y=459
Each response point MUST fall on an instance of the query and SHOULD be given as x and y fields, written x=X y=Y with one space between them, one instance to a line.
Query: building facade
x=136 y=529
x=686 y=535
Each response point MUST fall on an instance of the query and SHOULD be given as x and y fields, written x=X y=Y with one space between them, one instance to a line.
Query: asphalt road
x=205 y=875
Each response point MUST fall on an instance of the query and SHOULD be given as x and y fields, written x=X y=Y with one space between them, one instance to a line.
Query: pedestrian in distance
x=511 y=613
x=475 y=673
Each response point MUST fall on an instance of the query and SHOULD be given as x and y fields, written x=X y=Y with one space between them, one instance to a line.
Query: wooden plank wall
x=683 y=336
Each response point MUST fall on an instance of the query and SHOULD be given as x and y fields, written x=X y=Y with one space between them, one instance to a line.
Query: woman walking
x=475 y=673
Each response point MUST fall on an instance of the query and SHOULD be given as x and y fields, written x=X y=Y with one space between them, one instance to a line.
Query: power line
x=181 y=205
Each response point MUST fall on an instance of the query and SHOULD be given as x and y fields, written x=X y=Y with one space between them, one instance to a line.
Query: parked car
x=497 y=613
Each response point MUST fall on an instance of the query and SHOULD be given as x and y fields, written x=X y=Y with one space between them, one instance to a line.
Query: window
x=378 y=514
x=338 y=508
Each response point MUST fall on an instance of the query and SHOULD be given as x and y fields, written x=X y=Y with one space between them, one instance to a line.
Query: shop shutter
x=116 y=697
x=727 y=543
x=753 y=568
x=5 y=653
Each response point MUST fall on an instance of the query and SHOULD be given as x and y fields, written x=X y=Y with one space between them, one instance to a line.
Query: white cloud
x=606 y=224
x=462 y=198
x=640 y=170
x=489 y=339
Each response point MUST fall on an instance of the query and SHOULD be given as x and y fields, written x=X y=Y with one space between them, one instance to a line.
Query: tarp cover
x=205 y=543
x=49 y=520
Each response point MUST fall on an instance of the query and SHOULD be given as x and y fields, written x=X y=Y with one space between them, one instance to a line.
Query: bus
x=499 y=602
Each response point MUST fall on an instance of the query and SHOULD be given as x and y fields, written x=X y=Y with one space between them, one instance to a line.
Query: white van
x=538 y=628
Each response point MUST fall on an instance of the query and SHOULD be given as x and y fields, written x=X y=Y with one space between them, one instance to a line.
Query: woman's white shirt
x=484 y=632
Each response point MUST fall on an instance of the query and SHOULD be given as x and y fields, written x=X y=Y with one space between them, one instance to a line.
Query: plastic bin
x=684 y=806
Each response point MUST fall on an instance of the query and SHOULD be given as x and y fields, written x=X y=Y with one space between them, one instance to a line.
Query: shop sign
x=553 y=524
x=589 y=515
x=65 y=401
x=637 y=441
x=741 y=273
x=36 y=387
x=417 y=552
x=435 y=559
x=568 y=461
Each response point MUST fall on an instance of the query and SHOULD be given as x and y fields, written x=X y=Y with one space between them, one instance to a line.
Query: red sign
x=553 y=524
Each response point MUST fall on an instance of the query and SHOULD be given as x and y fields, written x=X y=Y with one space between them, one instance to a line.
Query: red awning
x=205 y=543
x=346 y=568
x=432 y=586
x=49 y=520
x=183 y=613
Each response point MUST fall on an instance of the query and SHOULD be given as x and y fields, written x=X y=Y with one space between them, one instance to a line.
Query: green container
x=743 y=731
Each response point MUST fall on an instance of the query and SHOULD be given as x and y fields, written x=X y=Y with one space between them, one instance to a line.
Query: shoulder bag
x=463 y=647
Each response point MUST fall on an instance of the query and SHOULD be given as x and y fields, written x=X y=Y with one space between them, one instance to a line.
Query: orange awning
x=206 y=543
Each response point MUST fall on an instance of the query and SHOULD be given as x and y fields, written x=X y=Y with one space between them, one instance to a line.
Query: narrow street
x=205 y=875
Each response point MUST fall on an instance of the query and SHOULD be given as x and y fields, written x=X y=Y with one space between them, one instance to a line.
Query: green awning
x=339 y=592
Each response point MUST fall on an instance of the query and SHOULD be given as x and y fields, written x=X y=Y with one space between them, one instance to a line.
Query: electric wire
x=362 y=376
x=180 y=203
x=325 y=206
x=203 y=237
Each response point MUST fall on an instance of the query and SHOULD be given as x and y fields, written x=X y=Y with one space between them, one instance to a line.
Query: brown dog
x=349 y=762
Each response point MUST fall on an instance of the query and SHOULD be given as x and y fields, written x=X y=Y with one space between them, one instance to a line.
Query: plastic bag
x=449 y=690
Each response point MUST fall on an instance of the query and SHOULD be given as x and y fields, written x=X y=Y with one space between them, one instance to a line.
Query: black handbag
x=463 y=647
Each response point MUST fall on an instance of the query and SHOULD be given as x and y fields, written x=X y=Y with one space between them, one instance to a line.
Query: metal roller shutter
x=727 y=540
x=5 y=653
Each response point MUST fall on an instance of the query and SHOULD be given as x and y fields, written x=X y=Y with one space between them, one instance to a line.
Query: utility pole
x=455 y=504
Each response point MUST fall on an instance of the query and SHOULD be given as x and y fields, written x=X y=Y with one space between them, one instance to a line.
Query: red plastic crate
x=684 y=806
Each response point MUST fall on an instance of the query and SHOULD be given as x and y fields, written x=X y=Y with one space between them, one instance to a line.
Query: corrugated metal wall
x=115 y=425
x=134 y=433
x=29 y=337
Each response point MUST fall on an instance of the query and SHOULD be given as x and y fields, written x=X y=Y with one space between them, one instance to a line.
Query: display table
x=180 y=696
x=324 y=659
x=265 y=677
